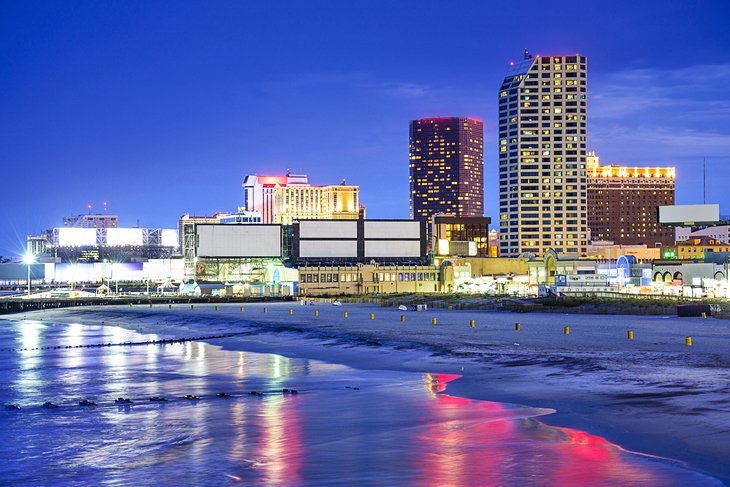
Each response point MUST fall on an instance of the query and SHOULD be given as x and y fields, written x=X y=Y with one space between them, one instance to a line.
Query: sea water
x=343 y=426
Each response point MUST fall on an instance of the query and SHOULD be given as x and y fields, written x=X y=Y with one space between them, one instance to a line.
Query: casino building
x=623 y=203
x=446 y=167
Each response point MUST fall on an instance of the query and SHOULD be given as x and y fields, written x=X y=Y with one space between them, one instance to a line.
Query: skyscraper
x=446 y=167
x=542 y=151
x=623 y=201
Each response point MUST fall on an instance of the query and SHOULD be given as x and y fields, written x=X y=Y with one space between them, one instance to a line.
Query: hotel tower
x=446 y=167
x=542 y=156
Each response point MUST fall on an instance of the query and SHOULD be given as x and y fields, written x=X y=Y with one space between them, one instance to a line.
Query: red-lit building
x=446 y=167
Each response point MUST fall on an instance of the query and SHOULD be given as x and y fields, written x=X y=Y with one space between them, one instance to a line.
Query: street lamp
x=29 y=259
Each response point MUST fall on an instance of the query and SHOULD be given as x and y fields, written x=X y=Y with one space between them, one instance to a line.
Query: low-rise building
x=699 y=248
x=464 y=236
x=607 y=250
x=373 y=279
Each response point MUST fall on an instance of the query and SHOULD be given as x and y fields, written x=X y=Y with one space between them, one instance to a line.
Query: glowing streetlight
x=29 y=259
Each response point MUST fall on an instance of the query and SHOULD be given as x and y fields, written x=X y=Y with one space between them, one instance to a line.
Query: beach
x=653 y=394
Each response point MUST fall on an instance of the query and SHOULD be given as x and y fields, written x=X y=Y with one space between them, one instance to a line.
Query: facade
x=699 y=248
x=91 y=221
x=623 y=203
x=234 y=251
x=242 y=217
x=449 y=230
x=330 y=242
x=114 y=274
x=373 y=279
x=542 y=151
x=186 y=226
x=446 y=170
x=100 y=244
x=284 y=199
x=607 y=250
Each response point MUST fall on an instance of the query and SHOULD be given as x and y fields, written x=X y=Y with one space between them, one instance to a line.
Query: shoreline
x=638 y=415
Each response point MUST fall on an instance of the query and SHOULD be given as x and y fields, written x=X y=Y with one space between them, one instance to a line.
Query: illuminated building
x=460 y=236
x=78 y=244
x=283 y=199
x=446 y=167
x=623 y=201
x=186 y=228
x=542 y=150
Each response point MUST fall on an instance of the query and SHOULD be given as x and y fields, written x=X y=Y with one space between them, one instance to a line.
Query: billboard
x=689 y=214
x=169 y=238
x=237 y=241
x=327 y=229
x=327 y=248
x=393 y=248
x=393 y=229
x=360 y=240
x=117 y=237
x=76 y=237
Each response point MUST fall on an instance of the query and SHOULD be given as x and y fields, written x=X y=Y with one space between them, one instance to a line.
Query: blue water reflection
x=345 y=427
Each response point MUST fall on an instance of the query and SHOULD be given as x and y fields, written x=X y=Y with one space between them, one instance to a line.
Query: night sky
x=161 y=108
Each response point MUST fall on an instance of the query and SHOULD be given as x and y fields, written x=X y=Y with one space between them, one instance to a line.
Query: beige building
x=492 y=266
x=315 y=203
x=374 y=279
x=283 y=199
x=698 y=248
x=607 y=250
x=542 y=151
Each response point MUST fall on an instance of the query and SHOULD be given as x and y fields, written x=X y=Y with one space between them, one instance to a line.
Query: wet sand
x=652 y=394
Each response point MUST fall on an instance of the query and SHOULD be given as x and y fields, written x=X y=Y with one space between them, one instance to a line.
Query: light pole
x=29 y=258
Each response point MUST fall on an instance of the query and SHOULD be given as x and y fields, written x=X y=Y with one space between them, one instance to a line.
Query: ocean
x=343 y=426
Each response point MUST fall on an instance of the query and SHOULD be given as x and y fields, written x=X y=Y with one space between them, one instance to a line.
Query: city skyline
x=108 y=113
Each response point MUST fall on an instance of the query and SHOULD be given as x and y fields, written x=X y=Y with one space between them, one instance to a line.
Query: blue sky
x=161 y=108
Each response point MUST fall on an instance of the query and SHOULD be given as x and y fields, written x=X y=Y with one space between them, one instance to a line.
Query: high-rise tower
x=542 y=156
x=446 y=167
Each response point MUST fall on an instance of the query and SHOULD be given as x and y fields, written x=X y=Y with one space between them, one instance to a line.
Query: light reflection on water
x=396 y=429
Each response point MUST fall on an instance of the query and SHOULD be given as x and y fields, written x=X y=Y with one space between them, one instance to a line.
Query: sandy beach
x=652 y=394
